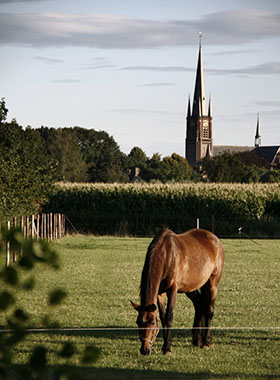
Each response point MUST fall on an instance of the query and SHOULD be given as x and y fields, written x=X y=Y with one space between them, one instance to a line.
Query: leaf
x=29 y=284
x=56 y=297
x=90 y=355
x=26 y=262
x=10 y=276
x=38 y=358
x=21 y=315
x=6 y=300
x=68 y=350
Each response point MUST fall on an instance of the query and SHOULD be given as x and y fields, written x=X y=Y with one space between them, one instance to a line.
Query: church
x=199 y=137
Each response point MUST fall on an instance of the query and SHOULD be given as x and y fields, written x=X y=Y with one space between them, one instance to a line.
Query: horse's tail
x=155 y=243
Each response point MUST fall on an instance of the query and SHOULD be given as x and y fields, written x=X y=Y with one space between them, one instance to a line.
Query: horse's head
x=148 y=326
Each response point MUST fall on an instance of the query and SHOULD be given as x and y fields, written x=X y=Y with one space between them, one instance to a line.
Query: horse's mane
x=144 y=286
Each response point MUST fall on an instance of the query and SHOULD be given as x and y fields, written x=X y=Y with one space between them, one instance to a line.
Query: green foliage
x=25 y=171
x=172 y=168
x=15 y=280
x=272 y=176
x=62 y=146
x=234 y=168
x=140 y=209
x=3 y=110
x=105 y=161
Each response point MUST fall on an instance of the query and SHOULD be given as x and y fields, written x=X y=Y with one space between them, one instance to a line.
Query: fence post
x=22 y=229
x=14 y=251
x=197 y=223
x=8 y=245
x=27 y=227
x=32 y=226
x=38 y=227
x=48 y=227
x=51 y=227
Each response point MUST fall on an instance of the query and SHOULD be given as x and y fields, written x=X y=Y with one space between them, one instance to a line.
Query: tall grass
x=139 y=209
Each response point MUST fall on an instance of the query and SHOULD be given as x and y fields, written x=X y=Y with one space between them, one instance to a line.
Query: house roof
x=269 y=153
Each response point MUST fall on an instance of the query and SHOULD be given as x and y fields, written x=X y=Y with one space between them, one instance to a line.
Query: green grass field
x=101 y=275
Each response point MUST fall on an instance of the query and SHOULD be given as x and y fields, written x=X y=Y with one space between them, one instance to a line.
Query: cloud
x=267 y=68
x=18 y=1
x=119 y=32
x=67 y=80
x=48 y=60
x=267 y=103
x=159 y=84
x=98 y=63
x=158 y=68
x=233 y=52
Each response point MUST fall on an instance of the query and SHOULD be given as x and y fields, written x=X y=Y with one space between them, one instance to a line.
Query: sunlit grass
x=101 y=275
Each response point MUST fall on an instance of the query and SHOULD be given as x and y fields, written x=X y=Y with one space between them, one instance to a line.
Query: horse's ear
x=135 y=305
x=151 y=308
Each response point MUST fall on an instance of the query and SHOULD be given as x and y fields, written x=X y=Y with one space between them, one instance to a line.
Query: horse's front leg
x=171 y=295
x=161 y=308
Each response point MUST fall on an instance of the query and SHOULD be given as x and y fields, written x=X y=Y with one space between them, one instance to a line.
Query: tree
x=272 y=176
x=25 y=171
x=228 y=167
x=137 y=158
x=3 y=110
x=171 y=168
x=62 y=147
x=105 y=161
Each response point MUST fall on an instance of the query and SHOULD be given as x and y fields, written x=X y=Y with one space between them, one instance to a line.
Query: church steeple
x=199 y=141
x=199 y=89
x=258 y=136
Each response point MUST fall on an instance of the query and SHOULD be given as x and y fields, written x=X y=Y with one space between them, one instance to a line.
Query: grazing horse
x=190 y=263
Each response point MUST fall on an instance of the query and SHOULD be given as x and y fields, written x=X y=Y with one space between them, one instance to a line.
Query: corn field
x=137 y=209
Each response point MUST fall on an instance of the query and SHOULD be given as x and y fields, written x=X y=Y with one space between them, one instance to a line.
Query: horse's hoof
x=205 y=347
x=168 y=352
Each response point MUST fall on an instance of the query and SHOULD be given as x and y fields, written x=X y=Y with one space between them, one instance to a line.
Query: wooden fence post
x=48 y=227
x=27 y=227
x=8 y=245
x=14 y=251
x=32 y=227
x=22 y=229
x=38 y=227
x=51 y=227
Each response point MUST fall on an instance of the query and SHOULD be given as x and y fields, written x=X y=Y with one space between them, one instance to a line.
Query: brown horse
x=189 y=263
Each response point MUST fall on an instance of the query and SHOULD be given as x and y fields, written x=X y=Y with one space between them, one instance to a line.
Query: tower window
x=205 y=132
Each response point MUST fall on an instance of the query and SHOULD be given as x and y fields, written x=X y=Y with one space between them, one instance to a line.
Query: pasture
x=101 y=275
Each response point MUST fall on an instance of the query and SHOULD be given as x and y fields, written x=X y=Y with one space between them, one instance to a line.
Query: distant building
x=269 y=153
x=199 y=140
x=199 y=137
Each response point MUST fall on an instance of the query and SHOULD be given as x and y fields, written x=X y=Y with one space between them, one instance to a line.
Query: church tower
x=199 y=141
x=258 y=136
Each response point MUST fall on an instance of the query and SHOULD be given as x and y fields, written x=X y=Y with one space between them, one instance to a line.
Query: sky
x=128 y=67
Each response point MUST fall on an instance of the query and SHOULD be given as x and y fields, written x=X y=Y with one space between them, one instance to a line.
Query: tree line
x=32 y=159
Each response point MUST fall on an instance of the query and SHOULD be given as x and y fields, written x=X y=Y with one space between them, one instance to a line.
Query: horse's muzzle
x=146 y=349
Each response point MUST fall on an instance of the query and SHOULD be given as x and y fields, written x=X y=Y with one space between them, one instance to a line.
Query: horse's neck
x=154 y=278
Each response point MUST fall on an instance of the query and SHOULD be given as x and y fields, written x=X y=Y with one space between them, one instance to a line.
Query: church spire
x=199 y=90
x=258 y=136
x=189 y=107
x=210 y=107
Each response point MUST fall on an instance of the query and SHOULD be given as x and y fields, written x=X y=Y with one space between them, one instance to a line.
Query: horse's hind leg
x=199 y=316
x=209 y=294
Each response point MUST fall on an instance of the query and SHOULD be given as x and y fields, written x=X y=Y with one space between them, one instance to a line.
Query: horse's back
x=200 y=254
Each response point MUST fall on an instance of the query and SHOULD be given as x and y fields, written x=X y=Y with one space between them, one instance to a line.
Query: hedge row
x=140 y=209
